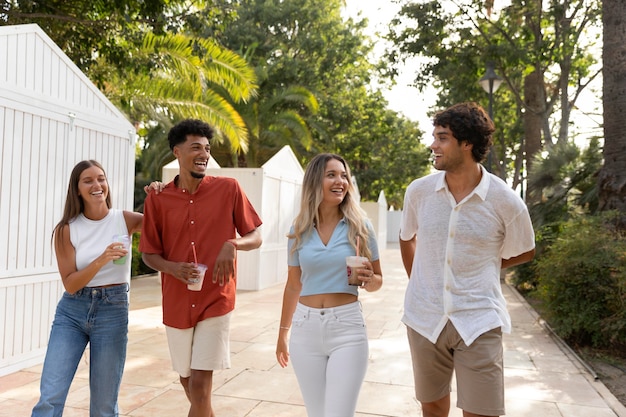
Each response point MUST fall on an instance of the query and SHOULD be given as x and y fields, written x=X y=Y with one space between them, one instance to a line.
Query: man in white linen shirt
x=459 y=227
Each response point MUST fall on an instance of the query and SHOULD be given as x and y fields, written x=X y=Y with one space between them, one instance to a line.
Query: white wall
x=377 y=213
x=393 y=226
x=51 y=117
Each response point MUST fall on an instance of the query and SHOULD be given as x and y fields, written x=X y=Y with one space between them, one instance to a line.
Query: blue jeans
x=98 y=316
x=329 y=351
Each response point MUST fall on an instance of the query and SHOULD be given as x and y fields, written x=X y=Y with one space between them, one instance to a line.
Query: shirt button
x=192 y=222
x=193 y=305
x=190 y=201
x=447 y=288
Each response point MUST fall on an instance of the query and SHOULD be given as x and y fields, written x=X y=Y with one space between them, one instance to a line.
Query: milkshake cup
x=197 y=286
x=353 y=263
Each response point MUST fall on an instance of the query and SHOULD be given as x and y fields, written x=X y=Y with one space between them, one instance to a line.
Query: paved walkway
x=542 y=379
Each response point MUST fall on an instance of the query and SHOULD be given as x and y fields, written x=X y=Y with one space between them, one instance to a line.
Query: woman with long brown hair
x=94 y=265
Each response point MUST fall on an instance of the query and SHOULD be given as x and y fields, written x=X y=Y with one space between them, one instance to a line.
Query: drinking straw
x=195 y=257
x=357 y=245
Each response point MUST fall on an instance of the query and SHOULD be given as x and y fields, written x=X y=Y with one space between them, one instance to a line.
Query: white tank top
x=91 y=237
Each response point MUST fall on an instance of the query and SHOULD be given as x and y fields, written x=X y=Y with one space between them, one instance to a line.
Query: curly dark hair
x=178 y=133
x=468 y=122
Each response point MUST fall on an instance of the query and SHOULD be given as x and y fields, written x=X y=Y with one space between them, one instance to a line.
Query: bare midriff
x=327 y=300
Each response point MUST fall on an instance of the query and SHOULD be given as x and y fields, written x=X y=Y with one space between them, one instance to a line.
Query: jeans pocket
x=74 y=296
x=117 y=298
x=351 y=320
x=298 y=320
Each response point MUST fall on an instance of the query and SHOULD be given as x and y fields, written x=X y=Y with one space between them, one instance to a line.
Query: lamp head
x=490 y=82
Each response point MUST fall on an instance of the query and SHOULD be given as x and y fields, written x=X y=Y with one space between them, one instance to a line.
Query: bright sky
x=414 y=105
x=402 y=97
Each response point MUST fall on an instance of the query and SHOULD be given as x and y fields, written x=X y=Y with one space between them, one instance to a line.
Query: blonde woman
x=328 y=344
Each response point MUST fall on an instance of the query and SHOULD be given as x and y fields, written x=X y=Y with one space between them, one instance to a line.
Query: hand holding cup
x=124 y=243
x=353 y=265
x=196 y=283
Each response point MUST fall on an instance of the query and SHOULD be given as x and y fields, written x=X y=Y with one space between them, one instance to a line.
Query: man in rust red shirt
x=195 y=220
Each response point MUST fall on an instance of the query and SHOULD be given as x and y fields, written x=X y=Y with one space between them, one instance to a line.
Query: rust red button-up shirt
x=174 y=220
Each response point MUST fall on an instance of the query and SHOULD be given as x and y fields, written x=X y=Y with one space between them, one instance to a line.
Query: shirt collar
x=174 y=184
x=483 y=186
x=481 y=189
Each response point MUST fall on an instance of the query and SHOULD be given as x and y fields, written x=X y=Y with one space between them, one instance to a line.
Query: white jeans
x=329 y=352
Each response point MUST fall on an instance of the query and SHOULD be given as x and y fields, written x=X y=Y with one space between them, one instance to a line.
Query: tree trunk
x=612 y=177
x=534 y=103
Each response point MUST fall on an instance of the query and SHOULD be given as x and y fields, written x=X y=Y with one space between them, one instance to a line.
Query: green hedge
x=138 y=267
x=582 y=281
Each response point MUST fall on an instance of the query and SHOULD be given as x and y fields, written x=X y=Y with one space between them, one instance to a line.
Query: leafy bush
x=525 y=278
x=561 y=184
x=582 y=281
x=138 y=267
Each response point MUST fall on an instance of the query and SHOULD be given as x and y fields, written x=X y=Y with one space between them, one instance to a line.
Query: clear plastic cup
x=353 y=263
x=125 y=243
x=197 y=286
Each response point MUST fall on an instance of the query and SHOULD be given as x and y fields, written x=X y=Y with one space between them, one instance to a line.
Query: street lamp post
x=490 y=82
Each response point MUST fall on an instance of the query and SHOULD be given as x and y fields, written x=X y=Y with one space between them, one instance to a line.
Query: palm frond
x=174 y=55
x=297 y=126
x=295 y=95
x=228 y=70
x=184 y=84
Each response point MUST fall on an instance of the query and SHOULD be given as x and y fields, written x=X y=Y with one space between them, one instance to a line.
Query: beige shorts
x=205 y=347
x=478 y=368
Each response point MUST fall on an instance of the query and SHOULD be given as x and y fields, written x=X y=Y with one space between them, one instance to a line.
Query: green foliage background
x=582 y=280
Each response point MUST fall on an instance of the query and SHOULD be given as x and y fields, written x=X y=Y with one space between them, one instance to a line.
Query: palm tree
x=563 y=182
x=277 y=121
x=187 y=77
x=184 y=77
x=195 y=78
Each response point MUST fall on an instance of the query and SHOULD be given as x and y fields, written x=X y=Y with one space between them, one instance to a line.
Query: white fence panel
x=51 y=117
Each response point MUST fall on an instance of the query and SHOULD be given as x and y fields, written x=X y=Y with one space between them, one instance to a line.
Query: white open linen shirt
x=459 y=252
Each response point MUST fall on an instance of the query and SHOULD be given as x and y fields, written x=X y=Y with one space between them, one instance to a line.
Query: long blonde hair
x=312 y=196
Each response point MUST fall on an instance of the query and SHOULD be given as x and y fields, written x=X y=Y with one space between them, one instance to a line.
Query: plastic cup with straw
x=353 y=263
x=197 y=284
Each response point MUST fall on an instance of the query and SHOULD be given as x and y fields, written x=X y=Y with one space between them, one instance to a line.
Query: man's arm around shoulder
x=249 y=241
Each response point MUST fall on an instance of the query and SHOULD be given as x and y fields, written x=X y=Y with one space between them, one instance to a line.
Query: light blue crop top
x=324 y=267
